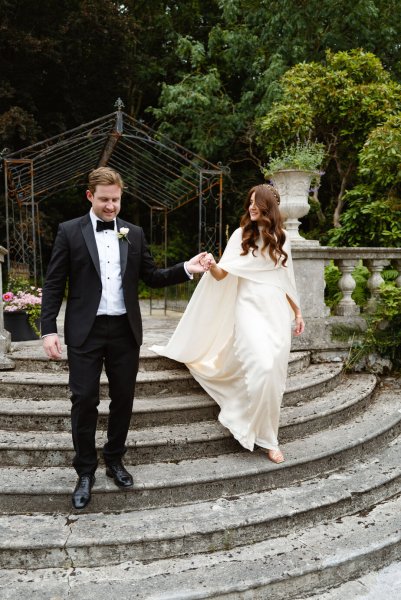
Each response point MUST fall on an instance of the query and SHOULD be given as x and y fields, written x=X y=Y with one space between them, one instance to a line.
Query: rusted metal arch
x=157 y=172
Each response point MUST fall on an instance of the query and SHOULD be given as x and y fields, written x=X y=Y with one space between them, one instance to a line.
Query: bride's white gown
x=235 y=339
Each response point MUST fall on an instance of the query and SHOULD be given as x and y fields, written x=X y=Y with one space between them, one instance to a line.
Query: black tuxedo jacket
x=75 y=259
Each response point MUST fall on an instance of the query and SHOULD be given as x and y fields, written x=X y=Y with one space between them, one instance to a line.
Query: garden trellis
x=156 y=171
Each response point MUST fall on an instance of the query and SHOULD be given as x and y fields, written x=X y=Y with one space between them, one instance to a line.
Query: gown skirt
x=235 y=339
x=247 y=377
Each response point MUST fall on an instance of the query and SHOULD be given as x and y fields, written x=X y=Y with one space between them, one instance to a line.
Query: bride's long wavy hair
x=267 y=199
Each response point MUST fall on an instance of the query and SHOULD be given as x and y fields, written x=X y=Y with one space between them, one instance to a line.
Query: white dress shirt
x=108 y=247
x=112 y=299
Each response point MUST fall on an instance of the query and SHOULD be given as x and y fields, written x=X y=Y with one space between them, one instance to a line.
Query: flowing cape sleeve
x=208 y=321
x=260 y=268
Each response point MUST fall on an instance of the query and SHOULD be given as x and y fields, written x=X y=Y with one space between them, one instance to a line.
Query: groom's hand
x=52 y=346
x=209 y=260
x=198 y=263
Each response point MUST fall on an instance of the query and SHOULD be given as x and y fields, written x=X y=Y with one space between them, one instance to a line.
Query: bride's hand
x=299 y=325
x=208 y=261
x=197 y=263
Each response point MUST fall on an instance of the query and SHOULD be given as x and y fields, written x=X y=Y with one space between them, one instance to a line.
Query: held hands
x=217 y=272
x=209 y=261
x=52 y=346
x=199 y=263
x=209 y=264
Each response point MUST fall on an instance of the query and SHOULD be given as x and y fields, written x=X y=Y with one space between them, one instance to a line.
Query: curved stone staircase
x=205 y=518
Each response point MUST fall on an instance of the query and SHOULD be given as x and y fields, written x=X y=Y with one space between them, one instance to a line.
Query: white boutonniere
x=123 y=234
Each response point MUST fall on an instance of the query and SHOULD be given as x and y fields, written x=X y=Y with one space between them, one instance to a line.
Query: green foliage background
x=233 y=80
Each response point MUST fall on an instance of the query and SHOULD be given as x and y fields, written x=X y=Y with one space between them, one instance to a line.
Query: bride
x=235 y=335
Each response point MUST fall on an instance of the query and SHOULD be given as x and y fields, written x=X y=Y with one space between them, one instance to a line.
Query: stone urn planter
x=17 y=324
x=291 y=171
x=293 y=186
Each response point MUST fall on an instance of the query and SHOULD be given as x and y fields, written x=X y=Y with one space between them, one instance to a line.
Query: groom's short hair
x=104 y=176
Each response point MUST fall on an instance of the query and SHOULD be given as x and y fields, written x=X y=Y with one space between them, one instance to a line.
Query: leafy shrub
x=383 y=332
x=369 y=220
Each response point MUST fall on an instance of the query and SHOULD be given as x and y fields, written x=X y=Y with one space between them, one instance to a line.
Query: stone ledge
x=315 y=379
x=284 y=567
x=161 y=484
x=95 y=539
x=348 y=397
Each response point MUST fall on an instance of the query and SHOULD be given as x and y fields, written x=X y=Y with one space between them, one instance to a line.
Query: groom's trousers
x=112 y=344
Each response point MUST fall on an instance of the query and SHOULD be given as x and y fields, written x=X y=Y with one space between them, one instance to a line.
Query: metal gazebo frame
x=156 y=171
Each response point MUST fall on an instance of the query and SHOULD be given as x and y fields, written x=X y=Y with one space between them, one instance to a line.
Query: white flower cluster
x=123 y=233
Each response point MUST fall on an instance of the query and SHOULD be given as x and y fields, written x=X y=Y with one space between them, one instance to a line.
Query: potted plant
x=22 y=307
x=292 y=172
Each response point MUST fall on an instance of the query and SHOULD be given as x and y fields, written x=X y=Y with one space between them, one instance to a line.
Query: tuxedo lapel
x=123 y=249
x=89 y=237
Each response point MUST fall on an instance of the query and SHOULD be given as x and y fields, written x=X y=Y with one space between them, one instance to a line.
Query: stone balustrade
x=309 y=264
x=310 y=260
x=375 y=259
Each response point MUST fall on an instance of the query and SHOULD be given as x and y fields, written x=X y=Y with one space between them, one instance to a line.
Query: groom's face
x=106 y=201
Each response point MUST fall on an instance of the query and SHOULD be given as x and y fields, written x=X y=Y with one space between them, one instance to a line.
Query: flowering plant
x=24 y=297
x=123 y=234
x=305 y=156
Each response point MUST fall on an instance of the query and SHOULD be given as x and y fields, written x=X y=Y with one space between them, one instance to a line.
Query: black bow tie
x=103 y=225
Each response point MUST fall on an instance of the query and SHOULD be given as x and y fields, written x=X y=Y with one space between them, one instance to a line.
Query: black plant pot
x=18 y=325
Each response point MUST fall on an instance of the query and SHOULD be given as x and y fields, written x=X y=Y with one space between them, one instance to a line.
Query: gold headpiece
x=275 y=192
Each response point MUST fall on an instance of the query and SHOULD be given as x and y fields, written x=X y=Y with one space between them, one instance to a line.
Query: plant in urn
x=293 y=172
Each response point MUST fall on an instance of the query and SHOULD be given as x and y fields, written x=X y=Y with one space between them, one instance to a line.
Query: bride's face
x=254 y=211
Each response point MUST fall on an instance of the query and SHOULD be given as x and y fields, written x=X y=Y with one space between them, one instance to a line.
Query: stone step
x=181 y=441
x=350 y=396
x=20 y=384
x=281 y=568
x=314 y=380
x=32 y=359
x=102 y=539
x=378 y=584
x=172 y=442
x=54 y=415
x=166 y=484
x=36 y=362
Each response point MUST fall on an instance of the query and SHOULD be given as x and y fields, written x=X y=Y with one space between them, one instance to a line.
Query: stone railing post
x=375 y=280
x=5 y=338
x=325 y=332
x=347 y=307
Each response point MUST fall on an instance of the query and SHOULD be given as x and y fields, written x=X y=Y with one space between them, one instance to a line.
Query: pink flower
x=22 y=300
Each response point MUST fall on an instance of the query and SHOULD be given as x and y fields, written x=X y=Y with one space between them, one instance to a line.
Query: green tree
x=64 y=62
x=338 y=103
x=231 y=78
x=213 y=64
x=373 y=207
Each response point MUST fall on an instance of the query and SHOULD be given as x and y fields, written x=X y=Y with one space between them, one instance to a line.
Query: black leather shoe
x=82 y=494
x=120 y=475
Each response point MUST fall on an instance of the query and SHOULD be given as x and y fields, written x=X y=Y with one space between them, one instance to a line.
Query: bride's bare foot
x=275 y=456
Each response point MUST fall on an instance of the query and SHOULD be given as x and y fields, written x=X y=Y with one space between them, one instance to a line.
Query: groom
x=102 y=257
